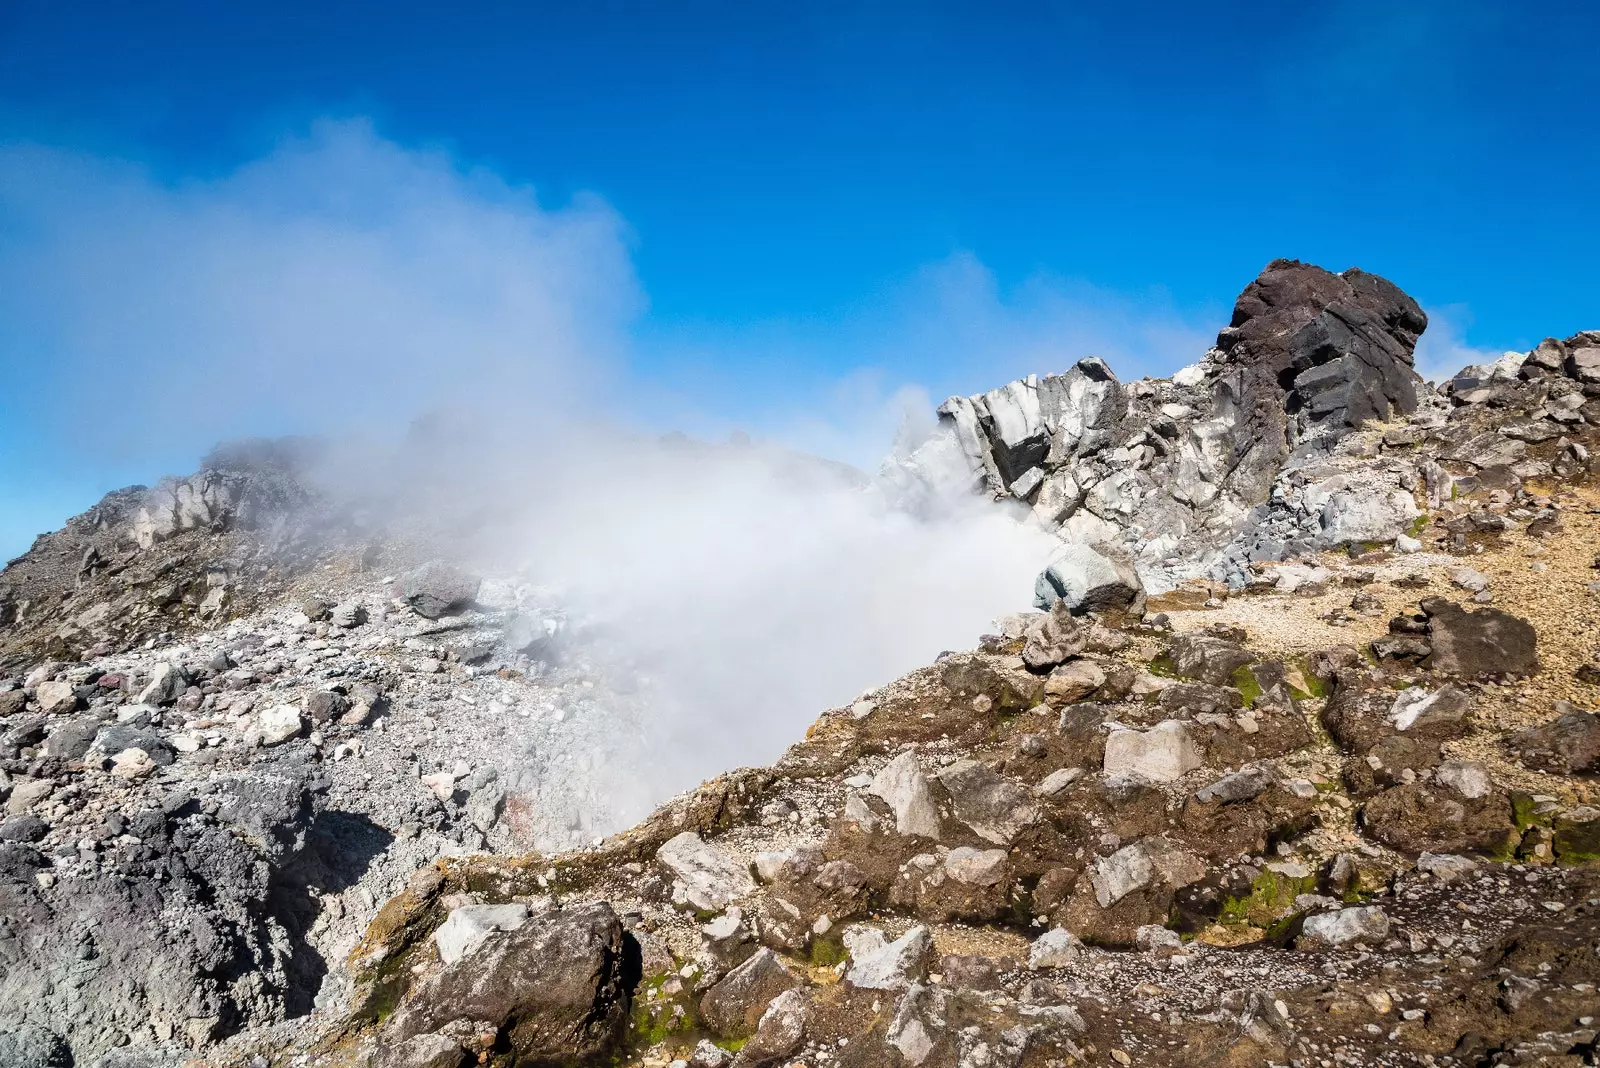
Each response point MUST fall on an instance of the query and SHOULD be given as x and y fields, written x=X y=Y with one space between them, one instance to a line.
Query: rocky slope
x=1295 y=767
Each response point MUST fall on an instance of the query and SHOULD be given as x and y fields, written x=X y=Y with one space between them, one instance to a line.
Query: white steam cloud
x=344 y=285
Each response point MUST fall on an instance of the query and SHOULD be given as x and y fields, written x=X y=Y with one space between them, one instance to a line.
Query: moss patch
x=1244 y=680
x=1270 y=901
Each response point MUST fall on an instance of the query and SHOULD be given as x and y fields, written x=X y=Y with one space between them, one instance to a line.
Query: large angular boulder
x=709 y=878
x=1088 y=581
x=1486 y=642
x=1567 y=745
x=1341 y=345
x=556 y=989
x=735 y=1005
x=434 y=590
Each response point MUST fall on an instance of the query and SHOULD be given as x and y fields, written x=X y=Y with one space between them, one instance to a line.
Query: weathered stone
x=554 y=988
x=1056 y=948
x=1567 y=745
x=1089 y=581
x=1343 y=927
x=275 y=725
x=711 y=879
x=56 y=698
x=907 y=792
x=30 y=1046
x=467 y=927
x=1446 y=867
x=992 y=806
x=977 y=867
x=1163 y=753
x=1242 y=785
x=1073 y=682
x=435 y=590
x=780 y=1033
x=423 y=1051
x=1485 y=642
x=735 y=1005
x=893 y=966
x=1208 y=659
x=165 y=686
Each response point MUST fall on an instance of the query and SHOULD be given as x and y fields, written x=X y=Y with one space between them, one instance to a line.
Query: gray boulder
x=735 y=1005
x=553 y=989
x=1088 y=581
x=1485 y=642
x=434 y=590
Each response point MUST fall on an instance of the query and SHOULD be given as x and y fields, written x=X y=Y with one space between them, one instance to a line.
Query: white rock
x=1163 y=753
x=466 y=928
x=711 y=879
x=1115 y=877
x=894 y=966
x=1467 y=778
x=1153 y=936
x=441 y=783
x=1467 y=579
x=1189 y=376
x=1057 y=781
x=1405 y=543
x=132 y=763
x=1364 y=924
x=55 y=698
x=862 y=940
x=908 y=1033
x=1446 y=867
x=276 y=725
x=976 y=867
x=41 y=673
x=1056 y=948
x=907 y=791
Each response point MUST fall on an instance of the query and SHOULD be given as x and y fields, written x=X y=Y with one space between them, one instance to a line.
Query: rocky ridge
x=1253 y=801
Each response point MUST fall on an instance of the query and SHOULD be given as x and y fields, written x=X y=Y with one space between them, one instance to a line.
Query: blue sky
x=771 y=216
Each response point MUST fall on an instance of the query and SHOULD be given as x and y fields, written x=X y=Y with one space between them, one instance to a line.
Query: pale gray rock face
x=1087 y=580
x=1115 y=877
x=1056 y=948
x=992 y=806
x=1163 y=753
x=906 y=790
x=277 y=725
x=1344 y=927
x=1446 y=867
x=1211 y=464
x=422 y=1051
x=918 y=1019
x=711 y=880
x=1466 y=777
x=895 y=965
x=976 y=867
x=466 y=928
